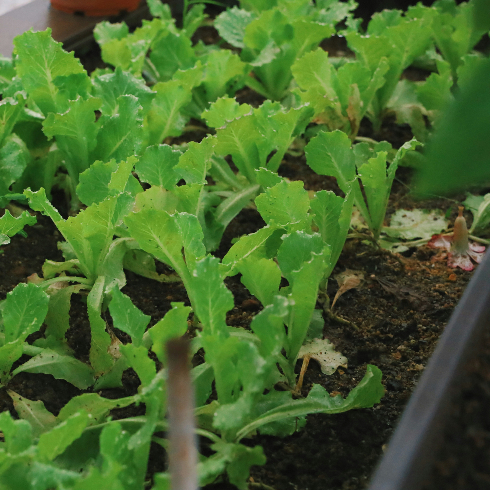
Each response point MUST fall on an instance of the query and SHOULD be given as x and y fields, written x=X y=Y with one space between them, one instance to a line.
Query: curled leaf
x=349 y=279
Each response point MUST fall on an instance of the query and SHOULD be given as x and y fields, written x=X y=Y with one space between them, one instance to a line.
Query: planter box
x=414 y=445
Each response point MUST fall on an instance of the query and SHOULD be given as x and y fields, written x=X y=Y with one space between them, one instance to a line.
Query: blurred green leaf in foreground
x=459 y=154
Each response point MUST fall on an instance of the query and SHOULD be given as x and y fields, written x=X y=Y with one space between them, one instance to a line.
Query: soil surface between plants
x=393 y=320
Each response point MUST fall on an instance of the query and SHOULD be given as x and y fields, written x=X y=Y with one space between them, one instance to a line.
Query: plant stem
x=479 y=240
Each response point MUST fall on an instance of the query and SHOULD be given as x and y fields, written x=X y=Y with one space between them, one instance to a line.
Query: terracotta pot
x=95 y=8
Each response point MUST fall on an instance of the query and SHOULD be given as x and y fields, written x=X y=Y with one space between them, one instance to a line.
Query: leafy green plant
x=100 y=139
x=94 y=259
x=400 y=40
x=332 y=154
x=271 y=40
x=342 y=97
x=216 y=72
x=257 y=138
x=240 y=391
x=453 y=30
x=288 y=248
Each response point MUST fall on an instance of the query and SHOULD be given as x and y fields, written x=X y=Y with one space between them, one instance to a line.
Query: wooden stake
x=182 y=435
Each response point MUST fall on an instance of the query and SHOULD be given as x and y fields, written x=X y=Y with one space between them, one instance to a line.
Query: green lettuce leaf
x=40 y=60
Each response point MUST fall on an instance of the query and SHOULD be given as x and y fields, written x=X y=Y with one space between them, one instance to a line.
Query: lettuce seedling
x=81 y=446
x=163 y=51
x=258 y=138
x=23 y=313
x=340 y=97
x=455 y=30
x=399 y=39
x=163 y=168
x=244 y=368
x=270 y=43
x=59 y=102
x=93 y=256
x=332 y=154
x=305 y=259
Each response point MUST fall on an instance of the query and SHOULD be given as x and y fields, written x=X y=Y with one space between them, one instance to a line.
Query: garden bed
x=397 y=317
x=392 y=319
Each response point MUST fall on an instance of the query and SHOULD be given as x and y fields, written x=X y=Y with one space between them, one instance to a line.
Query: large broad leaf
x=331 y=154
x=34 y=412
x=100 y=359
x=303 y=260
x=212 y=298
x=261 y=277
x=287 y=203
x=59 y=366
x=110 y=86
x=225 y=74
x=268 y=325
x=231 y=25
x=166 y=117
x=171 y=53
x=76 y=133
x=253 y=245
x=9 y=353
x=106 y=31
x=435 y=93
x=101 y=180
x=96 y=406
x=172 y=325
x=17 y=433
x=368 y=392
x=24 y=311
x=377 y=188
x=194 y=164
x=157 y=233
x=14 y=159
x=10 y=111
x=58 y=318
x=157 y=166
x=128 y=317
x=40 y=60
x=121 y=134
x=137 y=358
x=224 y=110
x=332 y=216
x=53 y=443
x=240 y=139
x=7 y=72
